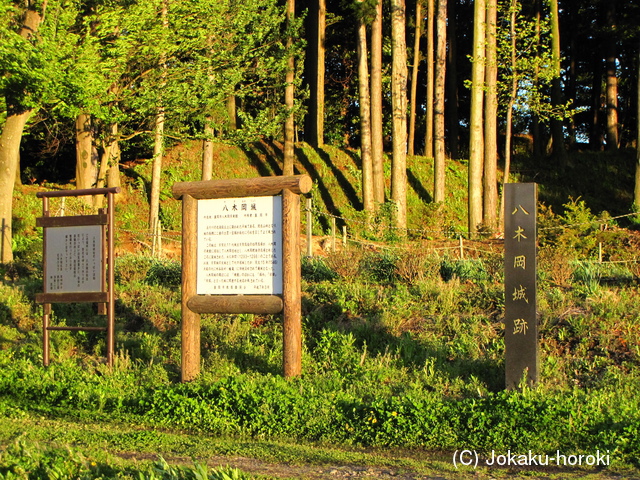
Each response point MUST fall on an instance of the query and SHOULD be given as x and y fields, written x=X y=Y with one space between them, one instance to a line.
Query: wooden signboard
x=241 y=254
x=521 y=323
x=78 y=263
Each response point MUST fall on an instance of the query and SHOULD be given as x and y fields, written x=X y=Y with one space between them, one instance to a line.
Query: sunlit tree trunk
x=612 y=78
x=10 y=144
x=453 y=119
x=86 y=156
x=377 y=143
x=316 y=67
x=557 y=132
x=365 y=116
x=536 y=130
x=158 y=154
x=289 y=127
x=207 y=150
x=636 y=193
x=232 y=112
x=476 y=137
x=429 y=97
x=399 y=108
x=439 y=161
x=109 y=171
x=156 y=177
x=414 y=77
x=490 y=194
x=512 y=98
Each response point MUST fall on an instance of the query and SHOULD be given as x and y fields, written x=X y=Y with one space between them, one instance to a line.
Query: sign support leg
x=190 y=319
x=292 y=335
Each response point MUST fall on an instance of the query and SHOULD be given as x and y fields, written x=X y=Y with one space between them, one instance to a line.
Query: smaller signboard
x=239 y=246
x=73 y=259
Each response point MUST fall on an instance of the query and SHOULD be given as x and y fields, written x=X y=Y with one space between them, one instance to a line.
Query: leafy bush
x=165 y=272
x=465 y=270
x=315 y=269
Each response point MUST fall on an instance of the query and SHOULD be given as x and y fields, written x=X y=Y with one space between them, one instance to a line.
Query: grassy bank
x=402 y=349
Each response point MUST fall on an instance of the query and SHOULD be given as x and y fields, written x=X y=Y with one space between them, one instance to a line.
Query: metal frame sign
x=73 y=259
x=521 y=323
x=239 y=246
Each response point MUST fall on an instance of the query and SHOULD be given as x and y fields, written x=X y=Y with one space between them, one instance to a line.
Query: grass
x=402 y=350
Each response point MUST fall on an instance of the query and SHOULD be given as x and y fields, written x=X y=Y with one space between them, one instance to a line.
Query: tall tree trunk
x=9 y=158
x=399 y=108
x=156 y=178
x=612 y=78
x=476 y=144
x=453 y=119
x=429 y=97
x=207 y=151
x=414 y=76
x=490 y=205
x=536 y=130
x=232 y=112
x=636 y=193
x=572 y=72
x=365 y=116
x=557 y=131
x=512 y=99
x=158 y=152
x=595 y=137
x=10 y=143
x=109 y=172
x=86 y=156
x=316 y=71
x=377 y=141
x=289 y=127
x=439 y=160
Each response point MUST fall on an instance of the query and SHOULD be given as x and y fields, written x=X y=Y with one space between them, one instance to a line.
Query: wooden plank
x=78 y=193
x=190 y=319
x=243 y=187
x=292 y=296
x=259 y=304
x=73 y=221
x=72 y=297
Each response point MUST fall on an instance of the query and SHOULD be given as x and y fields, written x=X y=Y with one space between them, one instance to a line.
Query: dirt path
x=337 y=471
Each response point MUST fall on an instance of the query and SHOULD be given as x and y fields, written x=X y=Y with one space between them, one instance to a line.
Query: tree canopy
x=218 y=69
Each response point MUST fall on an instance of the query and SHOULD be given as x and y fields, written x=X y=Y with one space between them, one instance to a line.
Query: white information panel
x=239 y=246
x=73 y=259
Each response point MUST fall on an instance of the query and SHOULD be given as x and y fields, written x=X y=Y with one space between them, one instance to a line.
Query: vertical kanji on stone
x=521 y=325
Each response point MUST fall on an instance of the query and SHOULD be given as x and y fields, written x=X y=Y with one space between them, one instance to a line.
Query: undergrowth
x=401 y=347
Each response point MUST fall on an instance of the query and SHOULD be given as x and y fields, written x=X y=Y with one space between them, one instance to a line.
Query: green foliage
x=315 y=269
x=22 y=460
x=165 y=272
x=464 y=270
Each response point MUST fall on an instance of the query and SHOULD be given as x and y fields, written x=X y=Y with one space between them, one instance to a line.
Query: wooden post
x=309 y=228
x=461 y=247
x=46 y=307
x=333 y=234
x=111 y=323
x=190 y=319
x=599 y=252
x=292 y=335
